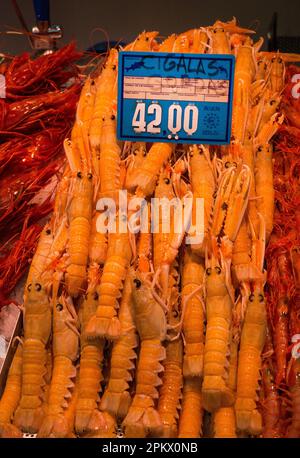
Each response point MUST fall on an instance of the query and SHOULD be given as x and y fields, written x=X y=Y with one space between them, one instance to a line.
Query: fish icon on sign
x=137 y=65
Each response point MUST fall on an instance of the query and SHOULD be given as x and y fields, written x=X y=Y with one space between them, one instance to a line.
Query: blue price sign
x=182 y=98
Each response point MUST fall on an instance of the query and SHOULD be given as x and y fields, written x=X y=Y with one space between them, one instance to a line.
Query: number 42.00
x=177 y=118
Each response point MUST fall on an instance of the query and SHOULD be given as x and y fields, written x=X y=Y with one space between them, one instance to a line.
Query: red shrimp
x=271 y=404
x=15 y=261
x=20 y=115
x=25 y=76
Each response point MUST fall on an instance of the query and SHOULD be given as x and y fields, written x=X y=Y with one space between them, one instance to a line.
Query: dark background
x=81 y=19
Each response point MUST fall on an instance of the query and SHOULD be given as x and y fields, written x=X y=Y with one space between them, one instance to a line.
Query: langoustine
x=11 y=396
x=142 y=417
x=65 y=353
x=88 y=419
x=37 y=328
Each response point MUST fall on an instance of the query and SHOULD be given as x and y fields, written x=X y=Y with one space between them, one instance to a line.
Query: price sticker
x=170 y=97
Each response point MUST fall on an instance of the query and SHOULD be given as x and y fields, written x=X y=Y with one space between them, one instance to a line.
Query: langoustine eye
x=137 y=283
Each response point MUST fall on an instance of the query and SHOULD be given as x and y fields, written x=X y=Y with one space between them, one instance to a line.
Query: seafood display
x=140 y=331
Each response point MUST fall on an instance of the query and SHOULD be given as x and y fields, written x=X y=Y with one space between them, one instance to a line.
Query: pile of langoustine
x=36 y=115
x=141 y=331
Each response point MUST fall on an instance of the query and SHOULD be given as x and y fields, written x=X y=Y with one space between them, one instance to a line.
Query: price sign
x=182 y=98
